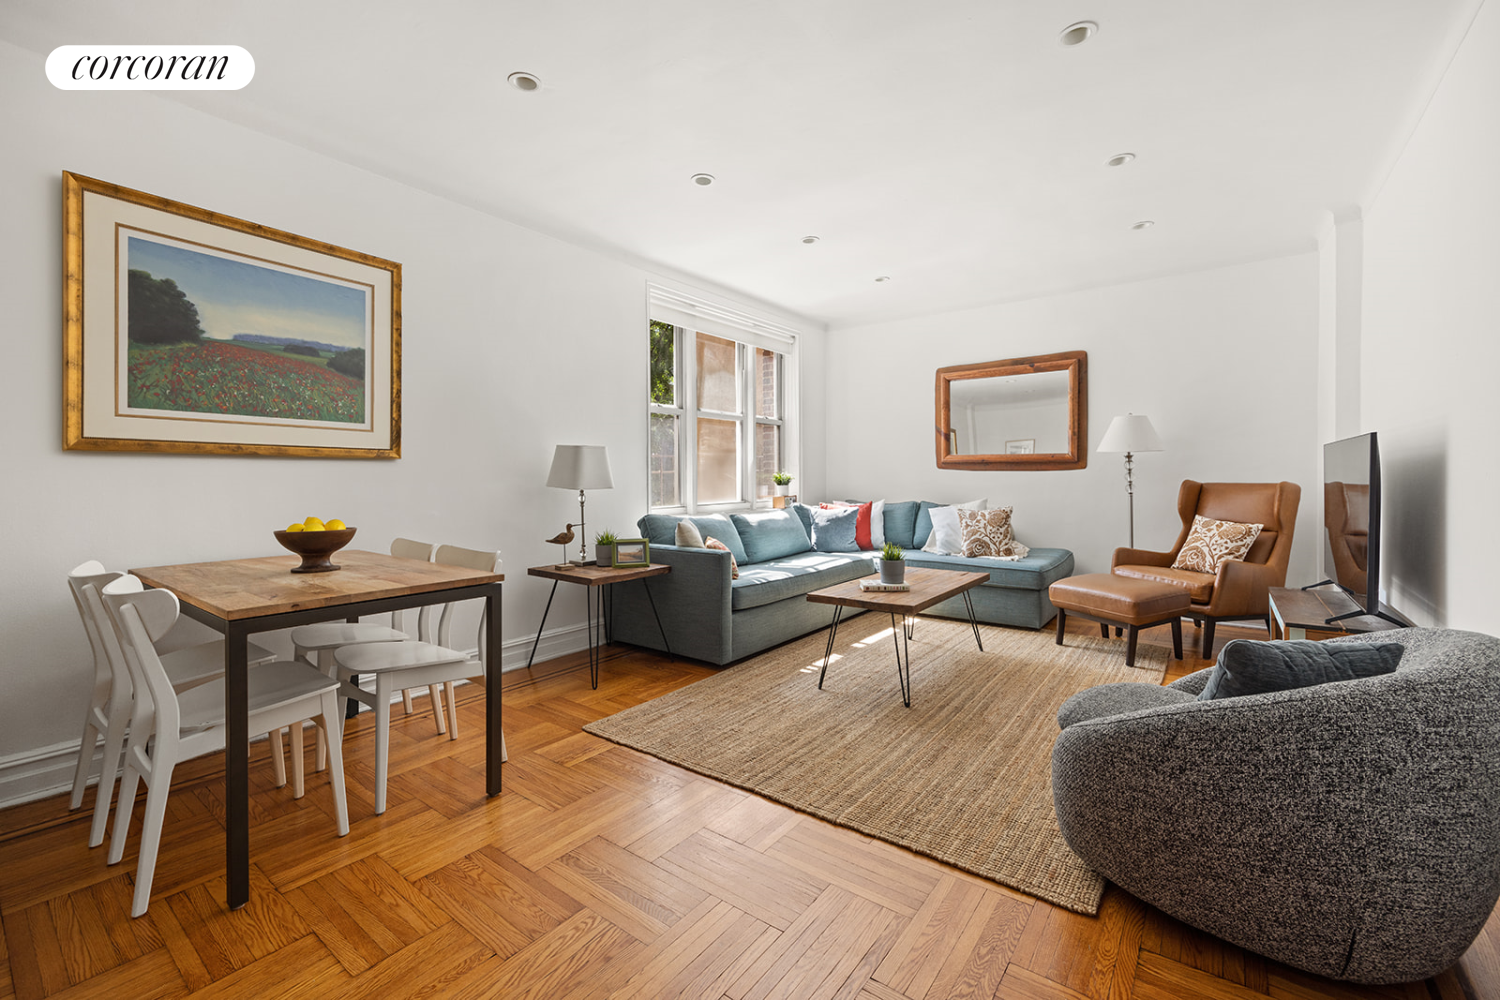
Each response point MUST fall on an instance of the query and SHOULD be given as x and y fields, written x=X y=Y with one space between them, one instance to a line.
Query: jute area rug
x=963 y=776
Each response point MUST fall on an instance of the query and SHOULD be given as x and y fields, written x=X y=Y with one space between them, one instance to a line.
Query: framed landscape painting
x=189 y=331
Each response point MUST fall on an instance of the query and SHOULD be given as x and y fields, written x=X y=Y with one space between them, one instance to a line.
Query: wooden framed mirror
x=1022 y=413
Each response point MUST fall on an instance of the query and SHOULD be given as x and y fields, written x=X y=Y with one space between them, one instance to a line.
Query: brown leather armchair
x=1239 y=591
x=1346 y=514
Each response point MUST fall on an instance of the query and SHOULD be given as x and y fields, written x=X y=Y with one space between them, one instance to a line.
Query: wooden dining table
x=240 y=597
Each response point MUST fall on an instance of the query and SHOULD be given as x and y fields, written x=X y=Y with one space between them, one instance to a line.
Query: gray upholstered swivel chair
x=1349 y=829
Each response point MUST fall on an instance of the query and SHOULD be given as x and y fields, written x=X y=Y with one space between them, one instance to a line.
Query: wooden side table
x=1294 y=613
x=596 y=580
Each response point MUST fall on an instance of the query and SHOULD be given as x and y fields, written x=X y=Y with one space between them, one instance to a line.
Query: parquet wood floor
x=599 y=872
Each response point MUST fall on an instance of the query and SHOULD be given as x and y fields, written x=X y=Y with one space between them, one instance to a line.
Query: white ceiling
x=955 y=146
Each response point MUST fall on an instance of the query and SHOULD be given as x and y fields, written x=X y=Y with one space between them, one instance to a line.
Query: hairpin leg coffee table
x=927 y=587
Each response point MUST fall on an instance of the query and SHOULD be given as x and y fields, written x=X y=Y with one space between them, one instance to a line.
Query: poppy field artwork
x=213 y=337
x=189 y=331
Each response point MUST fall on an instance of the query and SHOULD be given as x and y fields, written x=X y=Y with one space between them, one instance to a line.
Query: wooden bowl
x=315 y=547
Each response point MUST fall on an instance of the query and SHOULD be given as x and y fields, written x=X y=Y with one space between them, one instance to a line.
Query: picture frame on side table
x=1023 y=446
x=632 y=552
x=189 y=331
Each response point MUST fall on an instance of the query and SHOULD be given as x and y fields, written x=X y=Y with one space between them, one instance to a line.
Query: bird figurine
x=563 y=538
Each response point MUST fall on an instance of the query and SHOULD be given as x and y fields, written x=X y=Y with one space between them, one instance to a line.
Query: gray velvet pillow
x=833 y=529
x=1249 y=667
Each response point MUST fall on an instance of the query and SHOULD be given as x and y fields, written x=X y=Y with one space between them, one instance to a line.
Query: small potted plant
x=782 y=481
x=604 y=548
x=892 y=564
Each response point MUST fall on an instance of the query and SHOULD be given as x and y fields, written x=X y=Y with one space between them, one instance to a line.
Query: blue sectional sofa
x=709 y=616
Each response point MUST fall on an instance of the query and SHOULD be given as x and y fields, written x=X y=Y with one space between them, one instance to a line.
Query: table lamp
x=1130 y=434
x=580 y=467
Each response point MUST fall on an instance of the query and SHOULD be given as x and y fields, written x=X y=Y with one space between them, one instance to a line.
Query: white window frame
x=690 y=315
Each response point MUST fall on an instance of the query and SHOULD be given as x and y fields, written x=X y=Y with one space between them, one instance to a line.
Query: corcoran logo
x=150 y=67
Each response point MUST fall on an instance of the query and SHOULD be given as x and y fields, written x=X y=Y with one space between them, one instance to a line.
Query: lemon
x=294 y=527
x=335 y=525
x=313 y=524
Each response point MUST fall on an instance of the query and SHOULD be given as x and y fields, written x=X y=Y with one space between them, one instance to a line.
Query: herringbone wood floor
x=599 y=872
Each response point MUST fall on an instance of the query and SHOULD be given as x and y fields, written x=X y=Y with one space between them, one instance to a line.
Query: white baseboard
x=44 y=771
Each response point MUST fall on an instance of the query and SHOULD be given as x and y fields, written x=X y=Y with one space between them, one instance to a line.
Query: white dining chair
x=427 y=662
x=316 y=643
x=108 y=711
x=167 y=727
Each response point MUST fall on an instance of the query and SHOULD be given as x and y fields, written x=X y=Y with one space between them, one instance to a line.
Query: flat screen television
x=1351 y=519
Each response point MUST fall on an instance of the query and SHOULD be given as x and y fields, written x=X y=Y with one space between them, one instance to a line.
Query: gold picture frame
x=188 y=331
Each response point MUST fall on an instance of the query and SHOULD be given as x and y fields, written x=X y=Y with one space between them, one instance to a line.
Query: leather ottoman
x=1124 y=602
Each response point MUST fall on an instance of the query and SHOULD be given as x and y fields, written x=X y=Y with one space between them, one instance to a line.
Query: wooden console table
x=1295 y=613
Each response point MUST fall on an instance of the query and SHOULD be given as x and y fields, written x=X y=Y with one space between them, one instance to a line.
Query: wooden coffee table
x=928 y=587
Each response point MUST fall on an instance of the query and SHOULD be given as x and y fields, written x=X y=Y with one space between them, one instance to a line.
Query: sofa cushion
x=1116 y=699
x=661 y=529
x=804 y=514
x=793 y=576
x=771 y=534
x=901 y=523
x=834 y=528
x=1199 y=586
x=1248 y=666
x=1038 y=571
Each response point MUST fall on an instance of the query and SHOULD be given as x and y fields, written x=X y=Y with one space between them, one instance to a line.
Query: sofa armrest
x=1301 y=823
x=1193 y=683
x=693 y=602
x=1243 y=588
x=1140 y=557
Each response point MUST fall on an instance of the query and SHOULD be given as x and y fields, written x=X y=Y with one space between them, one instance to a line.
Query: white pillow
x=950 y=544
x=877 y=524
x=946 y=538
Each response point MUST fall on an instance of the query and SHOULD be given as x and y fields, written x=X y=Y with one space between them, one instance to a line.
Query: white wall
x=1222 y=361
x=1431 y=347
x=512 y=343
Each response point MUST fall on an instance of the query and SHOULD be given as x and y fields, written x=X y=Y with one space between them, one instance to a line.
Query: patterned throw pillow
x=714 y=543
x=989 y=533
x=1212 y=543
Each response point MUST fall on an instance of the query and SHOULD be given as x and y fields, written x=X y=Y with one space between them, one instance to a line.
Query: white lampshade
x=1130 y=433
x=580 y=467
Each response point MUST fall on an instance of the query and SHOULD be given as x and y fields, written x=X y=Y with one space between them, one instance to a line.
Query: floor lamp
x=1130 y=434
x=580 y=467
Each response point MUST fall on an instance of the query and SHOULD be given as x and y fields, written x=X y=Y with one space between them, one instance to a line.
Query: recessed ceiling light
x=1077 y=34
x=1143 y=224
x=883 y=277
x=1119 y=159
x=523 y=81
x=810 y=239
x=703 y=180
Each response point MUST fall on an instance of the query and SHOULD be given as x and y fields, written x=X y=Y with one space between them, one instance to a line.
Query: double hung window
x=719 y=420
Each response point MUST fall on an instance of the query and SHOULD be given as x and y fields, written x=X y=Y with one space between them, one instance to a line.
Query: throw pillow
x=946 y=538
x=833 y=529
x=989 y=533
x=1210 y=544
x=688 y=535
x=1248 y=666
x=869 y=530
x=923 y=526
x=734 y=567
